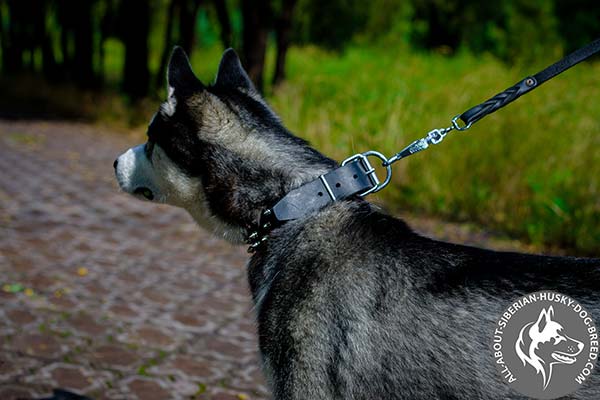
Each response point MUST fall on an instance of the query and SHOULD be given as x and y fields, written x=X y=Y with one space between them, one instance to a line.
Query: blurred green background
x=350 y=76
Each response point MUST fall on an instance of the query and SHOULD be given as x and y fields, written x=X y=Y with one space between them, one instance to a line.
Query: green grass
x=531 y=169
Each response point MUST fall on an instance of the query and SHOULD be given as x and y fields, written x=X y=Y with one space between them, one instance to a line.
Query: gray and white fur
x=351 y=304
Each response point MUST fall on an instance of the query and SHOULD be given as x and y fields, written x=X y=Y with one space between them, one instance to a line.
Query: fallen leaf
x=16 y=287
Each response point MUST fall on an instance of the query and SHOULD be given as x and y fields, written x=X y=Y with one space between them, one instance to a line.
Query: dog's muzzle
x=134 y=173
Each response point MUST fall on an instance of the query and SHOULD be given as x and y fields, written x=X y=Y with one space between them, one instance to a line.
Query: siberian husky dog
x=350 y=303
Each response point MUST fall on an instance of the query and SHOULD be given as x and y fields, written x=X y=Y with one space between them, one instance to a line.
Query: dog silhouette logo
x=544 y=344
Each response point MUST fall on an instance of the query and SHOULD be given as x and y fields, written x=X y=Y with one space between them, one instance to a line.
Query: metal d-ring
x=370 y=171
x=456 y=125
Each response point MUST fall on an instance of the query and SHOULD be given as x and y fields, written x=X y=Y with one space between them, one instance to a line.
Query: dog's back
x=353 y=305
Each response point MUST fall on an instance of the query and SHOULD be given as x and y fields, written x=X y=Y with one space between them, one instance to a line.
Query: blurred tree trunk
x=65 y=32
x=3 y=37
x=43 y=38
x=256 y=16
x=223 y=17
x=77 y=41
x=83 y=58
x=15 y=37
x=136 y=75
x=108 y=28
x=188 y=10
x=164 y=58
x=185 y=11
x=283 y=30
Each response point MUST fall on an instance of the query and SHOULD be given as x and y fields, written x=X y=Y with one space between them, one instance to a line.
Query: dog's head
x=218 y=151
x=544 y=343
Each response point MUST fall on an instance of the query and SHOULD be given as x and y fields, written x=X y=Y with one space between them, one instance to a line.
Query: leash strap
x=474 y=114
x=526 y=85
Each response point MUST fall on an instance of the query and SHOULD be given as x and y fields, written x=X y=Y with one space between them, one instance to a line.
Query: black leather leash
x=357 y=177
x=509 y=95
x=474 y=114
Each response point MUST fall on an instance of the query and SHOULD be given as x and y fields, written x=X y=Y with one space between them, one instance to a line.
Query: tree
x=162 y=68
x=283 y=28
x=15 y=36
x=183 y=14
x=3 y=37
x=81 y=18
x=109 y=28
x=223 y=17
x=577 y=22
x=331 y=23
x=77 y=41
x=256 y=16
x=44 y=40
x=188 y=11
x=136 y=75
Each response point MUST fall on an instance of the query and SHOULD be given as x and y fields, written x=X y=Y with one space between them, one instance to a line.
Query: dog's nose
x=116 y=163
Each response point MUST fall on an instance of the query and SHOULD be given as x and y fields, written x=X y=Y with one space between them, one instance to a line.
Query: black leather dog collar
x=353 y=178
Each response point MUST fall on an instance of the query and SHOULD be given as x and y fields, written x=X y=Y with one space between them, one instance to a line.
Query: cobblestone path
x=107 y=295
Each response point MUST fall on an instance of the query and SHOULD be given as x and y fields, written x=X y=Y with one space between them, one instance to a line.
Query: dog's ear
x=180 y=77
x=232 y=74
x=544 y=318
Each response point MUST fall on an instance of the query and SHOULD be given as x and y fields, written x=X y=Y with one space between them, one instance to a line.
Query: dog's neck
x=237 y=191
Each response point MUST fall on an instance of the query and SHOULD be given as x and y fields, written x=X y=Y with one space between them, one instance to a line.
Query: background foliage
x=357 y=76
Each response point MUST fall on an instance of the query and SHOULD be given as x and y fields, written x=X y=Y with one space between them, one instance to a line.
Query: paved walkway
x=106 y=295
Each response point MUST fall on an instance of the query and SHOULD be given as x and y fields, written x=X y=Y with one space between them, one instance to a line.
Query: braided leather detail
x=498 y=101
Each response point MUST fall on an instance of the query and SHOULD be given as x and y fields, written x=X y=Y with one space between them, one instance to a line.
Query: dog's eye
x=558 y=339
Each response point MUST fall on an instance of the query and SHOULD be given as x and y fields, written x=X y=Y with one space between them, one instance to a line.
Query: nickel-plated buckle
x=370 y=171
